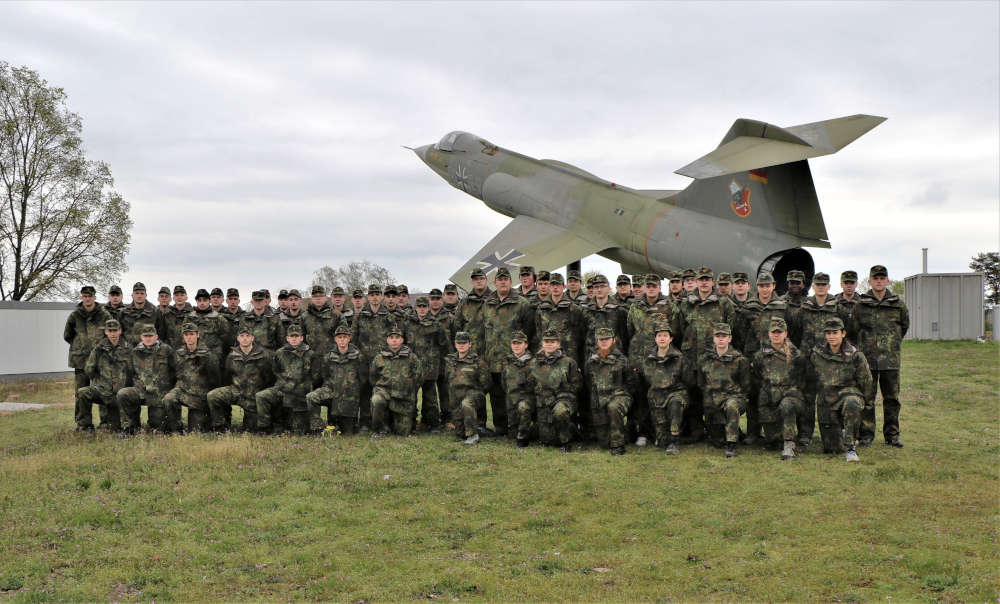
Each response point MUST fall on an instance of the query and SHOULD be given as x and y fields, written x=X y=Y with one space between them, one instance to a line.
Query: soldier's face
x=624 y=291
x=518 y=348
x=879 y=283
x=390 y=302
x=318 y=299
x=294 y=340
x=180 y=300
x=690 y=283
x=478 y=283
x=676 y=287
x=294 y=303
x=259 y=305
x=463 y=347
x=422 y=311
x=573 y=285
x=652 y=290
x=375 y=299
x=149 y=339
x=87 y=300
x=451 y=297
x=233 y=302
x=394 y=341
x=848 y=287
x=190 y=339
x=114 y=335
x=283 y=304
x=202 y=303
x=601 y=290
x=139 y=297
x=338 y=300
x=246 y=340
x=358 y=303
x=834 y=337
x=216 y=301
x=164 y=299
x=342 y=340
x=550 y=346
x=503 y=285
x=115 y=299
x=663 y=338
x=722 y=340
x=764 y=291
x=705 y=284
x=527 y=281
x=725 y=289
x=544 y=287
x=556 y=289
x=606 y=344
x=821 y=290
x=777 y=338
x=404 y=300
x=795 y=287
x=741 y=287
x=436 y=304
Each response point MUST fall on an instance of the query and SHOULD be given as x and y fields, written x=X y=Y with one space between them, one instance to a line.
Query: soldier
x=779 y=375
x=357 y=301
x=163 y=299
x=611 y=382
x=84 y=330
x=297 y=371
x=214 y=330
x=667 y=374
x=345 y=311
x=504 y=311
x=115 y=305
x=153 y=370
x=282 y=302
x=468 y=380
x=573 y=288
x=724 y=378
x=881 y=320
x=397 y=315
x=403 y=300
x=429 y=341
x=557 y=381
x=556 y=311
x=447 y=320
x=676 y=286
x=469 y=316
x=590 y=287
x=396 y=373
x=689 y=282
x=175 y=317
x=140 y=312
x=215 y=299
x=527 y=289
x=725 y=285
x=518 y=386
x=267 y=298
x=108 y=370
x=845 y=389
x=741 y=290
x=292 y=313
x=344 y=373
x=369 y=332
x=601 y=311
x=319 y=321
x=847 y=302
x=451 y=298
x=249 y=369
x=811 y=317
x=197 y=372
x=797 y=292
x=232 y=311
x=262 y=322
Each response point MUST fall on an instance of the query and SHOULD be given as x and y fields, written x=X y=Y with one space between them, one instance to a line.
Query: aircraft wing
x=532 y=242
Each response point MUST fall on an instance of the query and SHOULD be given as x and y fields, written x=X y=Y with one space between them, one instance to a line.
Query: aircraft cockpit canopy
x=447 y=142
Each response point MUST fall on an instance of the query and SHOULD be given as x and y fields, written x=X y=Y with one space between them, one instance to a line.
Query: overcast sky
x=258 y=142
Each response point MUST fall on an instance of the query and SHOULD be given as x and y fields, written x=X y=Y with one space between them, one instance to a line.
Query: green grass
x=238 y=518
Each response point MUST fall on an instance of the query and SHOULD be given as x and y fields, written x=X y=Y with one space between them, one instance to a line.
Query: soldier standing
x=797 y=292
x=451 y=298
x=249 y=370
x=574 y=289
x=741 y=290
x=297 y=372
x=676 y=287
x=847 y=302
x=214 y=331
x=811 y=317
x=527 y=289
x=153 y=372
x=282 y=303
x=140 y=312
x=518 y=387
x=263 y=322
x=369 y=332
x=115 y=305
x=779 y=374
x=504 y=312
x=232 y=311
x=725 y=285
x=557 y=381
x=667 y=374
x=197 y=372
x=601 y=311
x=469 y=316
x=215 y=300
x=611 y=382
x=689 y=281
x=623 y=292
x=396 y=373
x=344 y=373
x=556 y=311
x=175 y=317
x=344 y=311
x=447 y=320
x=881 y=320
x=319 y=321
x=163 y=299
x=292 y=313
x=429 y=341
x=468 y=380
x=84 y=330
x=543 y=286
x=357 y=301
x=108 y=370
x=724 y=378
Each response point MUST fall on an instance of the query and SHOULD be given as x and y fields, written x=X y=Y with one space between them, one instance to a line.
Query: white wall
x=32 y=337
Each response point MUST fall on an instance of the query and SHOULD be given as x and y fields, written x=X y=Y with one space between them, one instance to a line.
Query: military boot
x=789 y=451
x=672 y=448
x=730 y=450
x=471 y=440
x=618 y=450
x=852 y=455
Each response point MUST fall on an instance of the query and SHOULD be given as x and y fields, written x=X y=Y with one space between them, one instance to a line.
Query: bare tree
x=356 y=275
x=61 y=223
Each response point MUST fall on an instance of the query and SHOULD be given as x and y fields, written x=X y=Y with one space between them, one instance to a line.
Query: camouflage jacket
x=265 y=329
x=297 y=371
x=642 y=320
x=750 y=329
x=777 y=374
x=581 y=298
x=109 y=367
x=154 y=368
x=286 y=320
x=216 y=334
x=429 y=341
x=846 y=310
x=880 y=326
x=234 y=318
x=611 y=316
x=84 y=330
x=447 y=321
x=133 y=318
x=469 y=317
x=672 y=372
x=370 y=330
x=346 y=316
x=345 y=373
x=625 y=303
x=501 y=318
x=699 y=318
x=466 y=376
x=810 y=321
x=173 y=320
x=531 y=295
x=609 y=376
x=557 y=378
x=738 y=304
x=252 y=372
x=565 y=317
x=450 y=308
x=517 y=375
x=319 y=325
x=115 y=311
x=399 y=373
x=840 y=373
x=722 y=377
x=197 y=372
x=794 y=305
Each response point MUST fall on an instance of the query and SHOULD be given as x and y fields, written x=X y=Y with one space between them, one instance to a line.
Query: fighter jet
x=752 y=206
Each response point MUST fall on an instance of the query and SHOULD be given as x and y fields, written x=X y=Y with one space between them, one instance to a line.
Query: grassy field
x=278 y=518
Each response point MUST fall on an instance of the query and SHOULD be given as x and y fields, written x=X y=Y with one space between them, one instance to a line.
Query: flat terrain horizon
x=210 y=518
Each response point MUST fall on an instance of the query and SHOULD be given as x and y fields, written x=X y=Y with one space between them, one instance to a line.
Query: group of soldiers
x=558 y=360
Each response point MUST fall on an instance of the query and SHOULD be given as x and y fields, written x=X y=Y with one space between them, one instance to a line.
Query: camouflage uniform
x=468 y=380
x=750 y=336
x=642 y=318
x=581 y=297
x=667 y=379
x=154 y=370
x=368 y=333
x=215 y=331
x=343 y=376
x=248 y=373
x=115 y=310
x=395 y=377
x=794 y=303
x=557 y=381
x=610 y=315
x=880 y=326
x=501 y=318
x=845 y=389
x=264 y=328
x=83 y=331
x=611 y=382
x=447 y=321
x=197 y=373
x=173 y=319
x=469 y=318
x=779 y=376
x=429 y=341
x=109 y=371
x=297 y=371
x=133 y=317
x=811 y=317
x=697 y=320
x=846 y=308
x=725 y=382
x=520 y=389
x=286 y=319
x=319 y=324
x=565 y=317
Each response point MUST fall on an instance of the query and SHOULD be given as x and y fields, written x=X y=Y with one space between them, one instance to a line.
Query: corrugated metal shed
x=32 y=334
x=945 y=306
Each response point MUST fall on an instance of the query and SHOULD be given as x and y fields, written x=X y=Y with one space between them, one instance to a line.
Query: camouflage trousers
x=86 y=398
x=221 y=400
x=668 y=414
x=806 y=421
x=444 y=399
x=723 y=418
x=555 y=421
x=199 y=418
x=753 y=415
x=466 y=418
x=694 y=423
x=888 y=382
x=584 y=414
x=781 y=422
x=498 y=404
x=392 y=413
x=278 y=411
x=341 y=411
x=838 y=423
x=82 y=380
x=524 y=405
x=130 y=402
x=640 y=417
x=365 y=406
x=608 y=415
x=430 y=413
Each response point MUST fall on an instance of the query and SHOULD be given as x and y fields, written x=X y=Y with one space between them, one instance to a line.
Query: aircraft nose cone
x=422 y=152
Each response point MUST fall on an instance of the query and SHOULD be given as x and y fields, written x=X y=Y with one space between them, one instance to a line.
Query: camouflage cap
x=267 y=292
x=638 y=279
x=294 y=330
x=737 y=277
x=677 y=276
x=357 y=293
x=796 y=275
x=88 y=289
x=283 y=294
x=705 y=273
x=518 y=336
x=476 y=273
x=777 y=324
x=402 y=289
x=112 y=325
x=395 y=330
x=147 y=330
x=202 y=293
x=258 y=294
x=849 y=277
x=765 y=278
x=232 y=292
x=623 y=280
x=462 y=337
x=590 y=282
x=878 y=271
x=164 y=290
x=450 y=288
x=688 y=273
x=543 y=276
x=652 y=278
x=318 y=290
x=551 y=334
x=216 y=291
x=243 y=328
x=294 y=293
x=724 y=279
x=422 y=301
x=502 y=273
x=662 y=326
x=434 y=293
x=573 y=274
x=557 y=279
x=833 y=324
x=526 y=270
x=604 y=333
x=390 y=290
x=190 y=327
x=600 y=279
x=139 y=286
x=722 y=328
x=821 y=279
x=342 y=330
x=338 y=291
x=374 y=288
x=115 y=290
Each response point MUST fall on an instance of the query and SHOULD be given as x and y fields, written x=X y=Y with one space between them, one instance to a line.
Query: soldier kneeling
x=611 y=381
x=197 y=373
x=779 y=371
x=344 y=372
x=557 y=380
x=667 y=374
x=153 y=371
x=519 y=387
x=108 y=370
x=248 y=367
x=396 y=373
x=468 y=380
x=724 y=378
x=296 y=373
